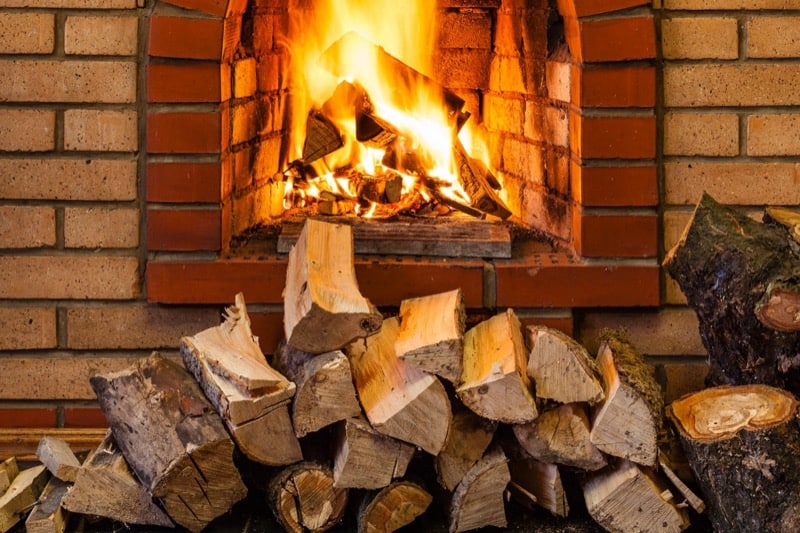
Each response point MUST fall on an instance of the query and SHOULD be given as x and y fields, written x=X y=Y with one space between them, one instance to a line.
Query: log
x=21 y=495
x=494 y=383
x=561 y=435
x=23 y=442
x=393 y=507
x=479 y=500
x=325 y=392
x=628 y=422
x=627 y=498
x=472 y=177
x=431 y=333
x=367 y=459
x=788 y=219
x=561 y=368
x=57 y=457
x=106 y=487
x=691 y=497
x=468 y=439
x=178 y=447
x=48 y=516
x=534 y=483
x=303 y=498
x=397 y=397
x=728 y=265
x=742 y=444
x=8 y=471
x=250 y=396
x=323 y=308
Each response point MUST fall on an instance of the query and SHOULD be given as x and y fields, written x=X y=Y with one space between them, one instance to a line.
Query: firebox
x=253 y=120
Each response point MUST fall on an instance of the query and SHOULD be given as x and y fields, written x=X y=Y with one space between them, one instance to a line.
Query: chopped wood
x=479 y=500
x=779 y=308
x=741 y=443
x=397 y=397
x=628 y=422
x=691 y=498
x=366 y=459
x=22 y=443
x=627 y=498
x=322 y=137
x=57 y=457
x=534 y=483
x=8 y=471
x=48 y=516
x=561 y=368
x=178 y=447
x=728 y=265
x=21 y=495
x=393 y=507
x=431 y=333
x=494 y=383
x=561 y=435
x=303 y=498
x=323 y=308
x=789 y=219
x=106 y=487
x=472 y=177
x=325 y=391
x=251 y=397
x=467 y=440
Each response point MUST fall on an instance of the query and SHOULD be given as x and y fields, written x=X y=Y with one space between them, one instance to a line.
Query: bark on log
x=48 y=516
x=323 y=308
x=479 y=500
x=727 y=266
x=303 y=498
x=468 y=438
x=178 y=446
x=743 y=444
x=393 y=507
x=21 y=495
x=494 y=382
x=398 y=398
x=57 y=457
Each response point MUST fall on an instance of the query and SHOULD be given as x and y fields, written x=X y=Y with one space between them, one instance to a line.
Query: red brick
x=212 y=7
x=615 y=39
x=28 y=418
x=185 y=182
x=84 y=417
x=183 y=230
x=613 y=137
x=584 y=8
x=197 y=82
x=616 y=235
x=184 y=133
x=268 y=327
x=185 y=38
x=614 y=186
x=614 y=86
x=557 y=280
x=261 y=280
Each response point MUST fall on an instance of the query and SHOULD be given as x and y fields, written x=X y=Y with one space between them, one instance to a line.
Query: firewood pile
x=352 y=409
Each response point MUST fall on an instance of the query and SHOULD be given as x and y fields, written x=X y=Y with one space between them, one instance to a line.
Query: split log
x=21 y=495
x=323 y=308
x=106 y=487
x=431 y=333
x=178 y=446
x=626 y=498
x=494 y=383
x=468 y=438
x=472 y=177
x=57 y=457
x=325 y=393
x=691 y=498
x=8 y=471
x=393 y=507
x=628 y=422
x=789 y=219
x=534 y=483
x=48 y=516
x=366 y=459
x=251 y=397
x=398 y=398
x=743 y=445
x=729 y=267
x=479 y=500
x=561 y=435
x=303 y=498
x=561 y=368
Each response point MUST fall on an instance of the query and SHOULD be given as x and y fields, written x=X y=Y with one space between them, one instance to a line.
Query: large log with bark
x=743 y=445
x=737 y=274
x=172 y=438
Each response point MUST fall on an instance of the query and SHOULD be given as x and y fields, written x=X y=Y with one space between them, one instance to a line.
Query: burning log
x=472 y=177
x=742 y=444
x=48 y=516
x=741 y=276
x=395 y=506
x=21 y=495
x=322 y=137
x=478 y=500
x=323 y=308
x=57 y=457
x=397 y=397
x=431 y=333
x=178 y=446
x=303 y=498
x=468 y=438
x=494 y=383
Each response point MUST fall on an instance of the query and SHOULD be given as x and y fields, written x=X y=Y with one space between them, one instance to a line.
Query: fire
x=370 y=132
